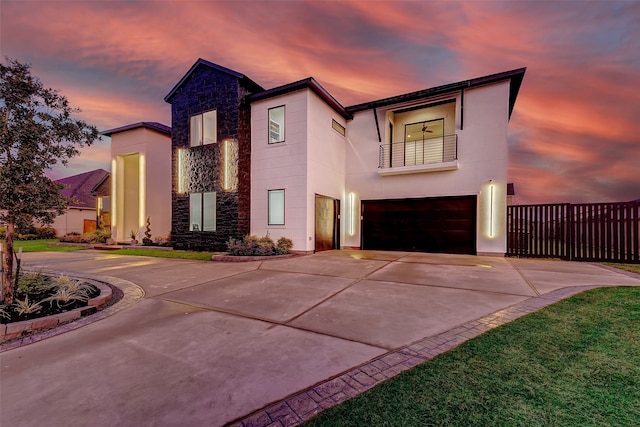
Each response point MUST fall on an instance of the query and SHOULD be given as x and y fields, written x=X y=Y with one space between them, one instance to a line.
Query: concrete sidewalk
x=277 y=341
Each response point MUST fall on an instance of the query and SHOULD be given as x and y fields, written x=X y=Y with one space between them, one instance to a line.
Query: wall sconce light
x=180 y=166
x=491 y=210
x=352 y=214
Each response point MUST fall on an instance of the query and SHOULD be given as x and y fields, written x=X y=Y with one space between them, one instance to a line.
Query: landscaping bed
x=43 y=302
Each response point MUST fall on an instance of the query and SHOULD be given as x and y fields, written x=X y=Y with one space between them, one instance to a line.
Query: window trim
x=200 y=116
x=201 y=223
x=283 y=126
x=269 y=192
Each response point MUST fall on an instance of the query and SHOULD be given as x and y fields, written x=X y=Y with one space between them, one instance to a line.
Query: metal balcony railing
x=421 y=152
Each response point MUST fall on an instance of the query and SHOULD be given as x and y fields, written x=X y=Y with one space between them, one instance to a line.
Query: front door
x=327 y=223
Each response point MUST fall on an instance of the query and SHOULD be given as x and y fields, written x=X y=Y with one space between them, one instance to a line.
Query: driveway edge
x=304 y=405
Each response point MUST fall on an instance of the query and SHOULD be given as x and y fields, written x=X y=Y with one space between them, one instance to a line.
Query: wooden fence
x=577 y=232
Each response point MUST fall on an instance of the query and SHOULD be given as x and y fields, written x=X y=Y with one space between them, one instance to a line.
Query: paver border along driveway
x=266 y=343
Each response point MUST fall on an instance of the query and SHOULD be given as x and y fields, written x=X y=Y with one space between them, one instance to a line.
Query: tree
x=37 y=131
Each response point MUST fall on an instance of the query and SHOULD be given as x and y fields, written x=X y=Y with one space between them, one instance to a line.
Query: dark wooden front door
x=327 y=223
x=440 y=224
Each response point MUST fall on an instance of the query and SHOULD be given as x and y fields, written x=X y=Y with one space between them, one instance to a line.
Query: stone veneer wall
x=207 y=89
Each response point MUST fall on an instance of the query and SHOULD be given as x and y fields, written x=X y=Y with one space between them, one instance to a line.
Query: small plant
x=24 y=307
x=133 y=234
x=4 y=312
x=283 y=245
x=146 y=240
x=66 y=296
x=74 y=286
x=31 y=283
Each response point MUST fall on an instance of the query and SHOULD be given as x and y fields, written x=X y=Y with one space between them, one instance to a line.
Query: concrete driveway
x=211 y=343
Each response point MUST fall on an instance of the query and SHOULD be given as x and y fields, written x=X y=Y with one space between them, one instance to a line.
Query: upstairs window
x=276 y=124
x=203 y=129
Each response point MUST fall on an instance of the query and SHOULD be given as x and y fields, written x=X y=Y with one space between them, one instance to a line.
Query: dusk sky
x=574 y=135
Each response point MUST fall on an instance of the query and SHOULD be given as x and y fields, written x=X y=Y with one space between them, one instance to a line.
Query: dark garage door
x=442 y=224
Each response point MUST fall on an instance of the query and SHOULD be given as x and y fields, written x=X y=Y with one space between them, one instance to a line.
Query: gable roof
x=308 y=83
x=158 y=127
x=80 y=188
x=514 y=76
x=201 y=62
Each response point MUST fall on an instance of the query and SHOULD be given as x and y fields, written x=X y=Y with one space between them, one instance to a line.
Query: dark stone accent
x=208 y=89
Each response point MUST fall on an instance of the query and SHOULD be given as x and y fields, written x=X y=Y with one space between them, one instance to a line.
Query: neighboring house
x=141 y=180
x=89 y=195
x=423 y=171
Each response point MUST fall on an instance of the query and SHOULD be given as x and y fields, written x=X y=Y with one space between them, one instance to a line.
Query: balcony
x=424 y=155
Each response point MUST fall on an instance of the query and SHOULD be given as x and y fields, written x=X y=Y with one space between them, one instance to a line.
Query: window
x=203 y=129
x=276 y=207
x=276 y=124
x=338 y=127
x=202 y=211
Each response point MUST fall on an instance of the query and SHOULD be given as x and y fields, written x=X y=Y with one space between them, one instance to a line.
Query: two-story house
x=423 y=171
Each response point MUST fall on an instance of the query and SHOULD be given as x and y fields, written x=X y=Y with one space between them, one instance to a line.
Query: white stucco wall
x=310 y=161
x=326 y=160
x=482 y=156
x=278 y=166
x=154 y=178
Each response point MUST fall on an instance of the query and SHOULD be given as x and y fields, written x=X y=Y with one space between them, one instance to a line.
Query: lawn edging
x=10 y=331
x=128 y=295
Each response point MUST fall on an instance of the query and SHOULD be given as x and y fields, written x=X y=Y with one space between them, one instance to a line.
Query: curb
x=79 y=317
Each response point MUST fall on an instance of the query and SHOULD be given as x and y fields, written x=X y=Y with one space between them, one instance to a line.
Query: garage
x=434 y=224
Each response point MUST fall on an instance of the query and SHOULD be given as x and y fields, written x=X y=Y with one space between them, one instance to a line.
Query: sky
x=574 y=135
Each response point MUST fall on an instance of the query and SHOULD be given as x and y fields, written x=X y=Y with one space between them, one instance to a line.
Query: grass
x=42 y=245
x=575 y=363
x=204 y=256
x=634 y=268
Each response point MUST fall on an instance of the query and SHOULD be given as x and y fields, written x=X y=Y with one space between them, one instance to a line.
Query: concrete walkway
x=265 y=343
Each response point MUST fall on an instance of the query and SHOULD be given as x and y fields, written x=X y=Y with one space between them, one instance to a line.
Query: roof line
x=209 y=64
x=515 y=76
x=158 y=127
x=308 y=83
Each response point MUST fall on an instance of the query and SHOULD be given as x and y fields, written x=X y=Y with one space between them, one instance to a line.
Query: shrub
x=146 y=240
x=45 y=232
x=31 y=283
x=259 y=246
x=3 y=233
x=283 y=246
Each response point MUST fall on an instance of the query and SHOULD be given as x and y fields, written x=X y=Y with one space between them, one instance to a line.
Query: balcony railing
x=428 y=151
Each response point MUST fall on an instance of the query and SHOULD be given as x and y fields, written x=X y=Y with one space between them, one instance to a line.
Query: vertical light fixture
x=114 y=215
x=227 y=165
x=142 y=191
x=492 y=208
x=352 y=214
x=181 y=186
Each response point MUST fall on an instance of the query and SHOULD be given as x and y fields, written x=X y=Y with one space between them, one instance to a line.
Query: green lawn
x=204 y=256
x=42 y=245
x=634 y=268
x=575 y=363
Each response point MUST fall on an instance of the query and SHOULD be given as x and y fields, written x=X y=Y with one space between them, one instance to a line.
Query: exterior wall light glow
x=229 y=173
x=142 y=191
x=114 y=193
x=180 y=166
x=352 y=214
x=491 y=214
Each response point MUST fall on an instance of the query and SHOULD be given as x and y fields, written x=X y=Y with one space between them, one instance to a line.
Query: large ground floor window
x=202 y=211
